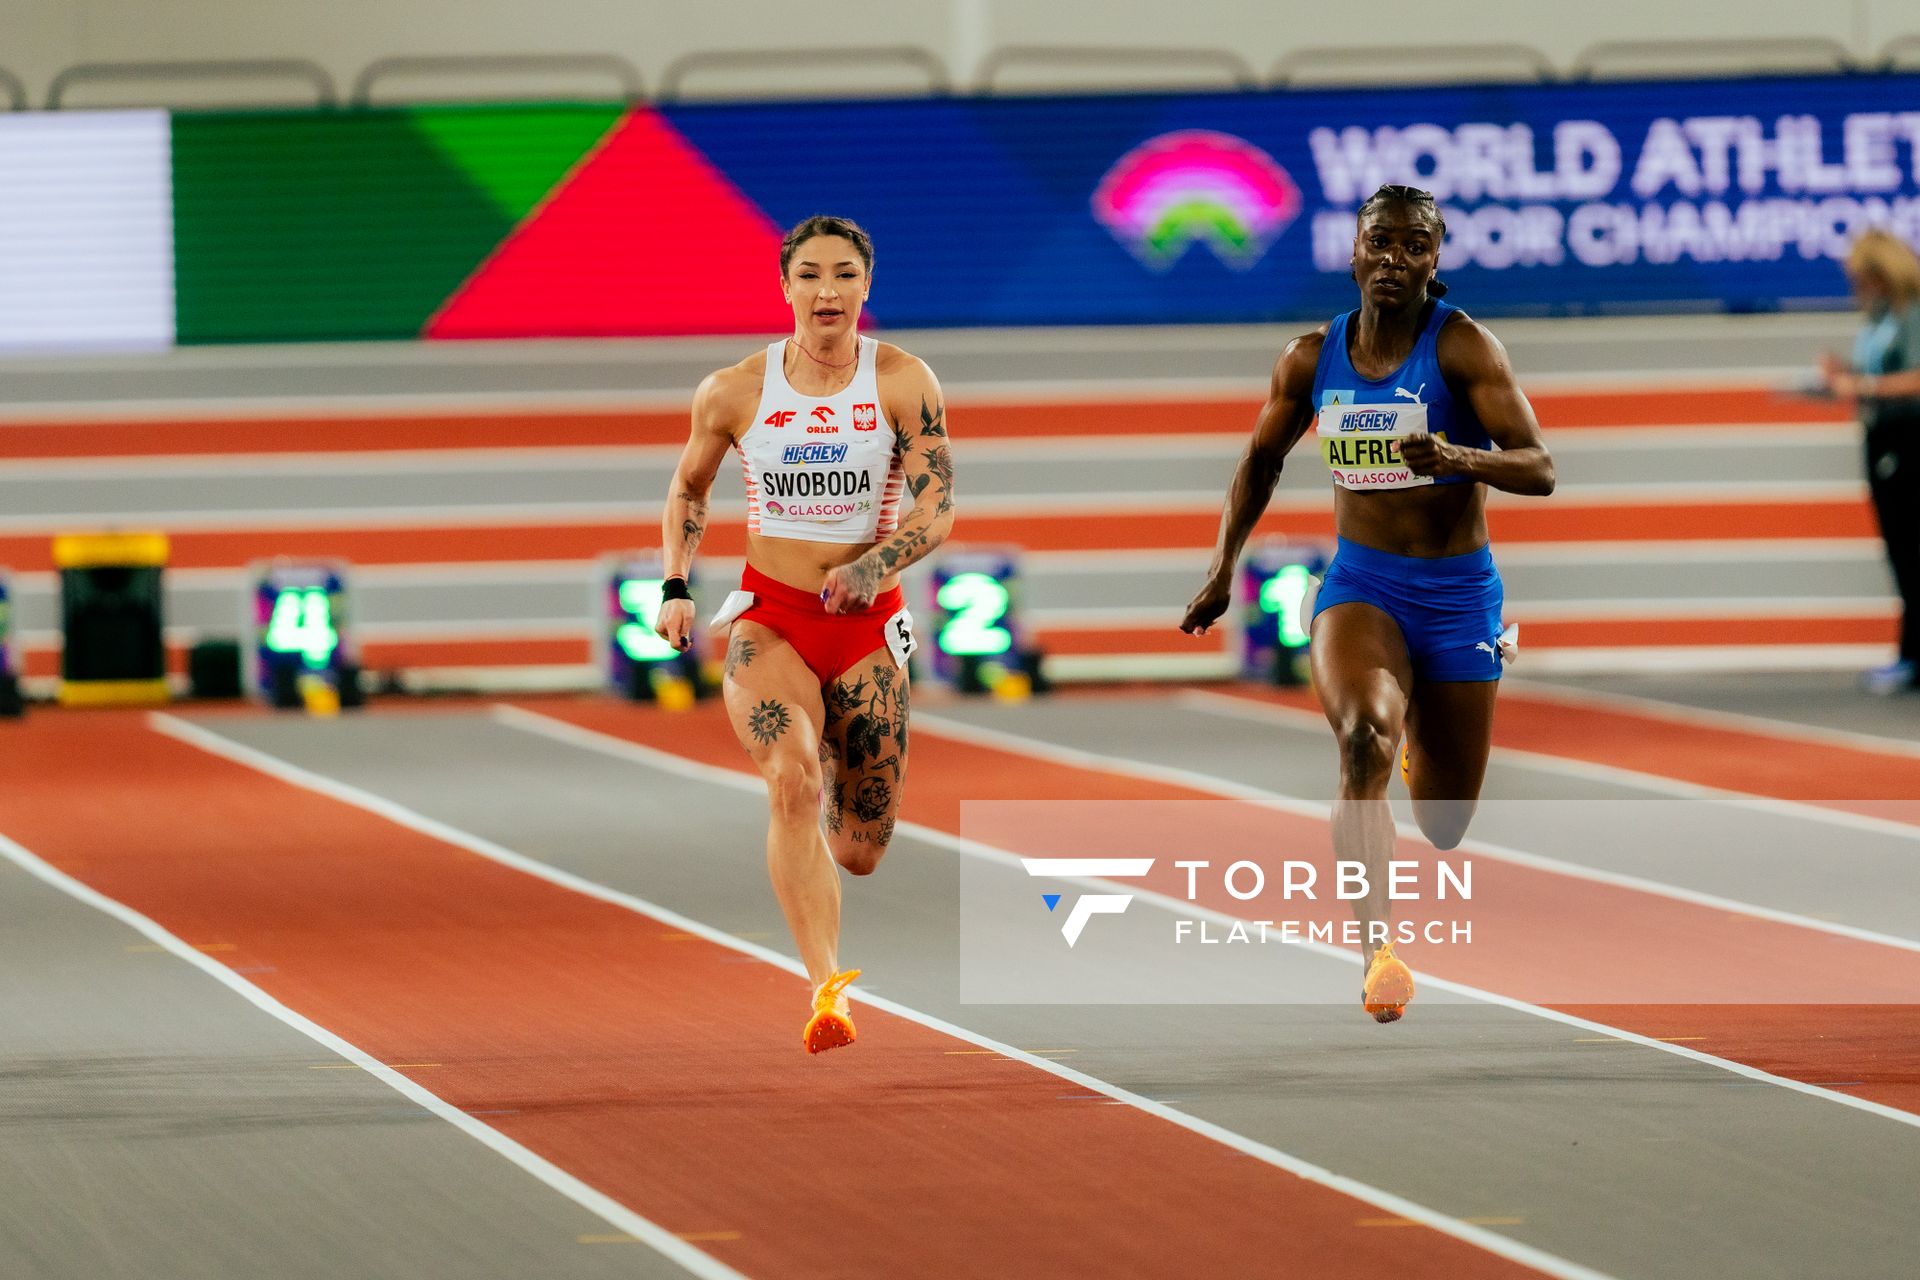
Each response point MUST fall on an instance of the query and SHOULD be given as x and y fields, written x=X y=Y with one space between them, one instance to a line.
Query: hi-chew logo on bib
x=1360 y=444
x=813 y=454
x=1368 y=419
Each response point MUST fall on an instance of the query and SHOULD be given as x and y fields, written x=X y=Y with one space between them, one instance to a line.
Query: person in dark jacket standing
x=1883 y=379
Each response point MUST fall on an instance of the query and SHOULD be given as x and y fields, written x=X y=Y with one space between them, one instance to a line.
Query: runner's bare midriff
x=803 y=565
x=1437 y=520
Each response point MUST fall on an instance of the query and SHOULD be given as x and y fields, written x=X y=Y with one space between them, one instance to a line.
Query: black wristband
x=675 y=589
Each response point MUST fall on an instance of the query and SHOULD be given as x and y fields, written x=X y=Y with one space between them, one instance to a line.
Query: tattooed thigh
x=866 y=725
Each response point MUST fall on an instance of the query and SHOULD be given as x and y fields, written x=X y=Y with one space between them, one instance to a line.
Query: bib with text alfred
x=1361 y=444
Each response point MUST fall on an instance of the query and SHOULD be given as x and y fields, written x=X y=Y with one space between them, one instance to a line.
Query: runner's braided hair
x=1393 y=193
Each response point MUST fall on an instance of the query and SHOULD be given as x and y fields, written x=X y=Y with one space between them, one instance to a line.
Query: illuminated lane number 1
x=1281 y=596
x=975 y=603
x=302 y=623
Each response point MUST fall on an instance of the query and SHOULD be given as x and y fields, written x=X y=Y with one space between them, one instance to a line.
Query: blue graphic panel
x=1689 y=195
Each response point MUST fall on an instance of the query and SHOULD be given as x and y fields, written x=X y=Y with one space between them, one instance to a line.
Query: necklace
x=828 y=363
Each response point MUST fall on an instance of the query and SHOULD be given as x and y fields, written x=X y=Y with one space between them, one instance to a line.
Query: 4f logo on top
x=865 y=418
x=1087 y=905
x=780 y=417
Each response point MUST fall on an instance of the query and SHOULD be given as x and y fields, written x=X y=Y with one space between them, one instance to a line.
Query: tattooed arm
x=919 y=418
x=718 y=406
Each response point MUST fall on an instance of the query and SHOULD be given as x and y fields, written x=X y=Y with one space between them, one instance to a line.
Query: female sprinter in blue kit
x=1418 y=414
x=843 y=442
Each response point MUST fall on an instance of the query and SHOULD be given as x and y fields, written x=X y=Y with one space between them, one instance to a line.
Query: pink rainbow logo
x=1197 y=186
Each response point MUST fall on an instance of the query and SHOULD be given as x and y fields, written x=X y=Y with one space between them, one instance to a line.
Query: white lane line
x=595 y=1202
x=423 y=574
x=369 y=518
x=272 y=410
x=1209 y=702
x=620 y=748
x=487 y=514
x=206 y=740
x=450 y=462
x=1710 y=658
x=1703 y=608
x=1279 y=802
x=1660 y=554
x=1700 y=717
x=40 y=640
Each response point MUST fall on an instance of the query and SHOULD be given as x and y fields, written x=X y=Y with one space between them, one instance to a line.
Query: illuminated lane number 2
x=302 y=623
x=976 y=604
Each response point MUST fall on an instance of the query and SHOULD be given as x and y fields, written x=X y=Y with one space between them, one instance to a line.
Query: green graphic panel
x=304 y=227
x=515 y=154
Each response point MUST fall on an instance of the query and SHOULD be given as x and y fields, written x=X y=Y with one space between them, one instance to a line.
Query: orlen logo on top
x=805 y=454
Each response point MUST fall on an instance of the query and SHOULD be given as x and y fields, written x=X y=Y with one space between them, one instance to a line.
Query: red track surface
x=494 y=429
x=1758 y=763
x=1813 y=1043
x=608 y=1032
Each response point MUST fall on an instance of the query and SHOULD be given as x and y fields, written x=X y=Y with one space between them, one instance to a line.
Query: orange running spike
x=1388 y=988
x=832 y=1023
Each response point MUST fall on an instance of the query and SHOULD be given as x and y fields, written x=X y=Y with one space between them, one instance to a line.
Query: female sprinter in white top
x=832 y=430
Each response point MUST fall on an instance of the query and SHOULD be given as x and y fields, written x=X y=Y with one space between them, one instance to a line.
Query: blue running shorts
x=1448 y=607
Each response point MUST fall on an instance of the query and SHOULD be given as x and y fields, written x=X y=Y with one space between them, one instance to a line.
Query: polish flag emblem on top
x=865 y=418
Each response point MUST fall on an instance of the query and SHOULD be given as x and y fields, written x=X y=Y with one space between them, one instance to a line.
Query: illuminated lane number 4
x=302 y=623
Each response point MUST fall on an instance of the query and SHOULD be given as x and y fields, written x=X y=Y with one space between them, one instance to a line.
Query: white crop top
x=824 y=470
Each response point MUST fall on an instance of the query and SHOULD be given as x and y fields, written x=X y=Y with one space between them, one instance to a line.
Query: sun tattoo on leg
x=768 y=721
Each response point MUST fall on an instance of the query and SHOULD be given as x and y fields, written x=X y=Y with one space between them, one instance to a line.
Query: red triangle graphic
x=645 y=238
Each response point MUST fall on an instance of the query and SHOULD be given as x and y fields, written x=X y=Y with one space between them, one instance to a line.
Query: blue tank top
x=1335 y=381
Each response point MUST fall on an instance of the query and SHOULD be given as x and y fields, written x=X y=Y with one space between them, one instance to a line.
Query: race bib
x=1361 y=444
x=900 y=641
